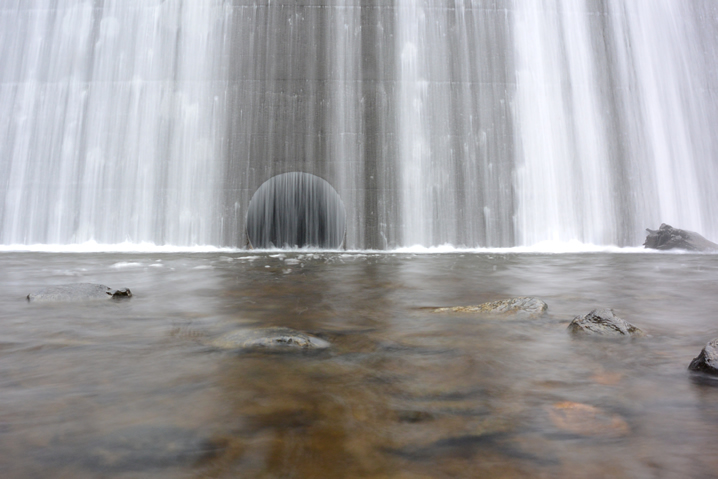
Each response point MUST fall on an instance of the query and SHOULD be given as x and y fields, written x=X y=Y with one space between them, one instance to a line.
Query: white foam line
x=94 y=247
x=548 y=247
x=543 y=247
x=124 y=264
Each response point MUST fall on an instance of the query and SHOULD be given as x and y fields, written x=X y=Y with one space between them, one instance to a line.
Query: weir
x=475 y=123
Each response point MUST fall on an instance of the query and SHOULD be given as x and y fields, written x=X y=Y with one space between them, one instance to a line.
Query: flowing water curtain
x=428 y=177
x=45 y=60
x=667 y=66
x=454 y=125
x=343 y=54
x=296 y=103
x=478 y=123
x=565 y=189
x=413 y=123
x=115 y=131
x=612 y=108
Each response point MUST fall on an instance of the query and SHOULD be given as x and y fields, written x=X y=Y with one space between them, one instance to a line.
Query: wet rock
x=521 y=307
x=707 y=360
x=587 y=420
x=78 y=292
x=603 y=322
x=667 y=237
x=134 y=449
x=268 y=338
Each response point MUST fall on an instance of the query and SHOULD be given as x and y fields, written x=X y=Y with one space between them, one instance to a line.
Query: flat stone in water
x=587 y=420
x=274 y=338
x=707 y=360
x=603 y=322
x=78 y=292
x=521 y=307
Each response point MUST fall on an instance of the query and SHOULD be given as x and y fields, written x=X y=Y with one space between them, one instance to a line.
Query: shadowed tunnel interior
x=296 y=210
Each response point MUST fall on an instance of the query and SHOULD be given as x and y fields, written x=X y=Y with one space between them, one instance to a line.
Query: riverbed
x=125 y=389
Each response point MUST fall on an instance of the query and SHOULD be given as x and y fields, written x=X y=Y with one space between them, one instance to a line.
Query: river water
x=130 y=389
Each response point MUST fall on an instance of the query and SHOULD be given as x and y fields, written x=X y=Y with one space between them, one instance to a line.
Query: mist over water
x=485 y=123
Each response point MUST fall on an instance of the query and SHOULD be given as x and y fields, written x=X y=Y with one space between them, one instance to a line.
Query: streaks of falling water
x=115 y=122
x=480 y=123
x=296 y=210
x=613 y=106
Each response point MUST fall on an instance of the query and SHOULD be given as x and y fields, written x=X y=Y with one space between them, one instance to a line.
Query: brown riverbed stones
x=586 y=420
x=525 y=307
x=603 y=322
x=707 y=360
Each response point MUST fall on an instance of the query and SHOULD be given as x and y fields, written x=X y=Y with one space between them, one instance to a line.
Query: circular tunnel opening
x=296 y=210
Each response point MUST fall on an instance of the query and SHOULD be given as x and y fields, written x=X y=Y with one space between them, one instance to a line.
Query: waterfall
x=455 y=123
x=114 y=121
x=471 y=122
x=613 y=111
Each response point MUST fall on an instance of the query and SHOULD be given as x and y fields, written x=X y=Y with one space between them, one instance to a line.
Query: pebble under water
x=131 y=388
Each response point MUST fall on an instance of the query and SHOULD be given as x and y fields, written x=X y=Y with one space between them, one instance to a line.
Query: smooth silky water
x=479 y=123
x=130 y=389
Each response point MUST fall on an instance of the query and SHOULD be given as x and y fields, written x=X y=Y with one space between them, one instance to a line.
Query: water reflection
x=132 y=389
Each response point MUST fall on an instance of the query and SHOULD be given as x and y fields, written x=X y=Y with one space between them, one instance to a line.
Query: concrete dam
x=476 y=123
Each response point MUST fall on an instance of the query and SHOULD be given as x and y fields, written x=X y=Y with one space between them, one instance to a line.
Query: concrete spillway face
x=296 y=210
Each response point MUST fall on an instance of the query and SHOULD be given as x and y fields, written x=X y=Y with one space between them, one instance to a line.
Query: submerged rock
x=587 y=420
x=522 y=307
x=78 y=292
x=603 y=322
x=274 y=338
x=707 y=360
x=667 y=237
x=134 y=449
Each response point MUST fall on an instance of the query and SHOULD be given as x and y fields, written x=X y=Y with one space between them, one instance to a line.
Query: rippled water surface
x=131 y=388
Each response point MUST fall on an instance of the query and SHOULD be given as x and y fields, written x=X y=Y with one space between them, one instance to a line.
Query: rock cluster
x=600 y=322
x=603 y=322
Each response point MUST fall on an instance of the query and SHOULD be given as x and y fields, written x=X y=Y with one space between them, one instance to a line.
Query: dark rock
x=603 y=322
x=78 y=292
x=521 y=307
x=707 y=360
x=667 y=237
x=268 y=338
